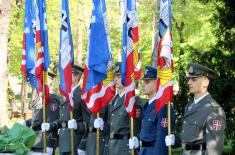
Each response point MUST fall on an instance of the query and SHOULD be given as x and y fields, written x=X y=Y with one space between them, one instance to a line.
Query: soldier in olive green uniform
x=119 y=120
x=52 y=114
x=204 y=120
x=64 y=124
x=93 y=124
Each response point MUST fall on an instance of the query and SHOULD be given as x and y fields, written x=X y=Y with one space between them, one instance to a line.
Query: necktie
x=190 y=106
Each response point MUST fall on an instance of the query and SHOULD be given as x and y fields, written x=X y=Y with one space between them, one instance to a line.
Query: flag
x=98 y=85
x=43 y=57
x=131 y=66
x=29 y=56
x=164 y=85
x=66 y=57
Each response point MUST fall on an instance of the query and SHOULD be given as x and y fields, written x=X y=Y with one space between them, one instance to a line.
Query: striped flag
x=131 y=66
x=43 y=56
x=29 y=56
x=98 y=85
x=165 y=56
x=66 y=57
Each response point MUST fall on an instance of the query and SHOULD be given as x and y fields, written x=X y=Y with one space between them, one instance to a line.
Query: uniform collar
x=200 y=98
x=75 y=87
x=152 y=99
x=121 y=94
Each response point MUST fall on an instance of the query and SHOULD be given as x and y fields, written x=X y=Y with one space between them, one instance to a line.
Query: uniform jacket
x=52 y=114
x=61 y=124
x=91 y=138
x=154 y=129
x=119 y=123
x=204 y=123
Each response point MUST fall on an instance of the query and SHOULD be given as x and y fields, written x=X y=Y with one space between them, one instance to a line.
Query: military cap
x=77 y=69
x=118 y=68
x=150 y=73
x=51 y=75
x=197 y=70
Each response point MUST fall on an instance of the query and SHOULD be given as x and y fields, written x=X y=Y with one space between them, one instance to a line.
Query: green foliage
x=19 y=139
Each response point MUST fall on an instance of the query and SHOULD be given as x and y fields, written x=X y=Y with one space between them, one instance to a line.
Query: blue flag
x=29 y=51
x=44 y=32
x=98 y=54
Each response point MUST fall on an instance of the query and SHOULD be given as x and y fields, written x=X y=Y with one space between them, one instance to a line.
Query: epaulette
x=214 y=104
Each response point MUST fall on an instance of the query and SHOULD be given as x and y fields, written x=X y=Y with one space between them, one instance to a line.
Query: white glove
x=45 y=127
x=133 y=143
x=49 y=151
x=170 y=140
x=72 y=124
x=99 y=123
x=81 y=152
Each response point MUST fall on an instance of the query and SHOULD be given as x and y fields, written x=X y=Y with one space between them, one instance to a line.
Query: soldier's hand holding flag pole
x=165 y=63
x=131 y=67
x=98 y=86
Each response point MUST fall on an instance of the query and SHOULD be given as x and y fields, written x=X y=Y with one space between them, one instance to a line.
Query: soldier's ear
x=206 y=82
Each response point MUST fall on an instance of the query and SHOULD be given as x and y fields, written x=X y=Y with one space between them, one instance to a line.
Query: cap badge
x=190 y=70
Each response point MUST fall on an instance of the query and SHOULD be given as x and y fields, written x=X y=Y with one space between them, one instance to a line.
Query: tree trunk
x=5 y=10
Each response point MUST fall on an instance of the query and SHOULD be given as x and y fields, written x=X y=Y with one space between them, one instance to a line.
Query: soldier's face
x=76 y=78
x=149 y=86
x=118 y=81
x=198 y=85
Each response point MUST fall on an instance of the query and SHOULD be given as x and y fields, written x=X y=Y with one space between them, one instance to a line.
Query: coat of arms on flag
x=165 y=56
x=131 y=66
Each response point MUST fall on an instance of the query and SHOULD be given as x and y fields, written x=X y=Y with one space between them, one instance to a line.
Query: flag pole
x=132 y=134
x=44 y=112
x=98 y=138
x=169 y=124
x=71 y=135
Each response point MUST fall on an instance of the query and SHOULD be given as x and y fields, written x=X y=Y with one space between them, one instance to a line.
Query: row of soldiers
x=150 y=128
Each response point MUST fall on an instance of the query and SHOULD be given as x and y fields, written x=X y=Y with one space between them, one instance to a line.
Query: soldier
x=64 y=124
x=154 y=124
x=52 y=114
x=93 y=124
x=204 y=120
x=119 y=120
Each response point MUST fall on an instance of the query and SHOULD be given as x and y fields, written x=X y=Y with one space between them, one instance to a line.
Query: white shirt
x=121 y=94
x=152 y=99
x=75 y=87
x=200 y=98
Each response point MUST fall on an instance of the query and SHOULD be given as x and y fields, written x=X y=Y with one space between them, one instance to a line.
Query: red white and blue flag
x=35 y=56
x=66 y=56
x=43 y=56
x=165 y=56
x=29 y=56
x=131 y=66
x=98 y=85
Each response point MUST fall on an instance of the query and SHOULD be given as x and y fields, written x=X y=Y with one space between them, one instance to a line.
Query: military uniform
x=203 y=122
x=203 y=128
x=119 y=127
x=154 y=129
x=154 y=126
x=61 y=124
x=52 y=114
x=91 y=138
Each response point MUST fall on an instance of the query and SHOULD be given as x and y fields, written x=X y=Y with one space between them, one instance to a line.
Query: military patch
x=146 y=71
x=217 y=125
x=53 y=107
x=164 y=122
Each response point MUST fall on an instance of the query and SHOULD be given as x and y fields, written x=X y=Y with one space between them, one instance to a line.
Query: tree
x=5 y=10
